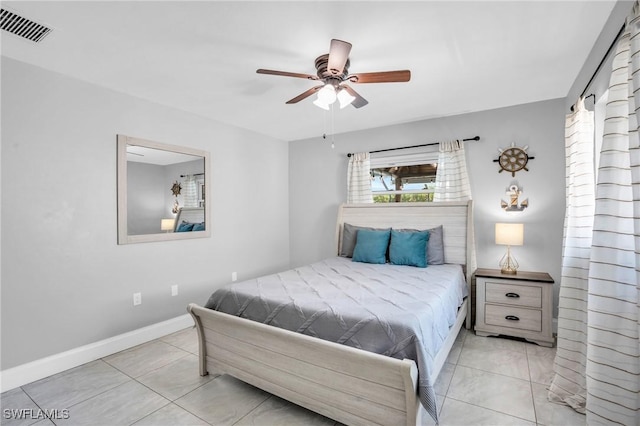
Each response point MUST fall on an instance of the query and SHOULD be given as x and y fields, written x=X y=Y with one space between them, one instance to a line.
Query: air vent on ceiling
x=22 y=27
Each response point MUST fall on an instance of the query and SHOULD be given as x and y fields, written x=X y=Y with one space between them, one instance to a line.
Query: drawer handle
x=513 y=295
x=512 y=318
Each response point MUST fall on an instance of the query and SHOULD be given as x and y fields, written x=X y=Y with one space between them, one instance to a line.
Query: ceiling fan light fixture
x=333 y=70
x=320 y=104
x=327 y=95
x=345 y=98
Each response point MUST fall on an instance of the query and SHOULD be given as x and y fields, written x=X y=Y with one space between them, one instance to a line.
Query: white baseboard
x=26 y=373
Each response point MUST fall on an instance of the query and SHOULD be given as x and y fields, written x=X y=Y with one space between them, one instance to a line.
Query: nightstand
x=518 y=305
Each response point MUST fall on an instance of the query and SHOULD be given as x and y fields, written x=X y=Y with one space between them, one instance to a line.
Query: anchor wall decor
x=512 y=206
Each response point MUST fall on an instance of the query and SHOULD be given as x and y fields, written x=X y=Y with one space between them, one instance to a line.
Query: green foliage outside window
x=404 y=198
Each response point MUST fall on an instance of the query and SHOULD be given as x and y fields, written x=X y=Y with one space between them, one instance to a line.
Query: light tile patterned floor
x=486 y=381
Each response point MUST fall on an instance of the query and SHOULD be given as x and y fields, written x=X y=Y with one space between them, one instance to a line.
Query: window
x=409 y=177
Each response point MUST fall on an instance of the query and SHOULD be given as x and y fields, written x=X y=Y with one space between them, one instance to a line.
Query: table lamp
x=509 y=234
x=167 y=225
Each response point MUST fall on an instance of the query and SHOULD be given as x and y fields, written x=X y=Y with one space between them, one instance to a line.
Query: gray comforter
x=398 y=311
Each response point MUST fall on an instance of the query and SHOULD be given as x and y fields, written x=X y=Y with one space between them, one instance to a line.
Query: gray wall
x=147 y=200
x=65 y=280
x=317 y=180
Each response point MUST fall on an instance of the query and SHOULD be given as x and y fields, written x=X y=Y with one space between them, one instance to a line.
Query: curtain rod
x=475 y=138
x=195 y=174
x=604 y=59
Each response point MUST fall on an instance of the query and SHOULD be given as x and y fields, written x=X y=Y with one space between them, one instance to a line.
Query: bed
x=346 y=383
x=189 y=219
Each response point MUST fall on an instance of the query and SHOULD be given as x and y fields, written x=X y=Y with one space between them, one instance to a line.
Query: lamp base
x=508 y=264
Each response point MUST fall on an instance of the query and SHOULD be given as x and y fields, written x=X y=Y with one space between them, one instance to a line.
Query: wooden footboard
x=352 y=386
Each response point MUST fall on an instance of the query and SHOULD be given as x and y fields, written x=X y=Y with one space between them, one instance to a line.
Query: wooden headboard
x=455 y=217
x=189 y=214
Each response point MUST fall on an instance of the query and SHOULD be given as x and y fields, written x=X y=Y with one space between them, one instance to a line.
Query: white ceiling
x=161 y=157
x=202 y=56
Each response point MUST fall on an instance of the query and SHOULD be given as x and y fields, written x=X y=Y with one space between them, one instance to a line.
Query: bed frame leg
x=202 y=353
x=469 y=320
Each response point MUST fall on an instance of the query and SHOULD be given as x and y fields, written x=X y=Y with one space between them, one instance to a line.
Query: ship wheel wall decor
x=513 y=159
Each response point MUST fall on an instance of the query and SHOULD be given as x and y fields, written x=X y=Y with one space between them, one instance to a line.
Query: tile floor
x=486 y=381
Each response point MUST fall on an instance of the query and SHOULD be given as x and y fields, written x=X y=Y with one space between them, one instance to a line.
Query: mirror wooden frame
x=123 y=235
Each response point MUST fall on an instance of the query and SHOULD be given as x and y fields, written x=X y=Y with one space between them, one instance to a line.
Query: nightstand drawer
x=513 y=317
x=512 y=294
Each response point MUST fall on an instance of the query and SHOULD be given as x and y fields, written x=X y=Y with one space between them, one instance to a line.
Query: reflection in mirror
x=161 y=191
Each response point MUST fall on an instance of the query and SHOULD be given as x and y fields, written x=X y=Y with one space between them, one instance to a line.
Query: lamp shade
x=510 y=234
x=327 y=95
x=167 y=224
x=345 y=98
x=321 y=104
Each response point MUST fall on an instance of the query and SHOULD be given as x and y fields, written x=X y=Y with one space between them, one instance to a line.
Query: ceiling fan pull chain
x=324 y=125
x=333 y=145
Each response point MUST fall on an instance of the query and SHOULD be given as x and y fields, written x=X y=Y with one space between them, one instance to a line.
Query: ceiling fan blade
x=304 y=95
x=287 y=74
x=381 y=77
x=338 y=55
x=359 y=101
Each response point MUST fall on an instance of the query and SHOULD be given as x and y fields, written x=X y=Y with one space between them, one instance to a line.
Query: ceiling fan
x=333 y=72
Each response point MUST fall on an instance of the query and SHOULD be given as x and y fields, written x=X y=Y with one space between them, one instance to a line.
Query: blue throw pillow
x=435 y=245
x=349 y=236
x=185 y=227
x=198 y=226
x=409 y=248
x=371 y=246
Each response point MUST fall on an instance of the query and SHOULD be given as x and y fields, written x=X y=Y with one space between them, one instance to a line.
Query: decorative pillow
x=184 y=227
x=371 y=246
x=435 y=245
x=409 y=248
x=198 y=226
x=349 y=237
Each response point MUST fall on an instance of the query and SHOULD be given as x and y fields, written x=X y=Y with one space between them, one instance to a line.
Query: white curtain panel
x=190 y=191
x=569 y=382
x=613 y=348
x=613 y=299
x=359 y=179
x=452 y=179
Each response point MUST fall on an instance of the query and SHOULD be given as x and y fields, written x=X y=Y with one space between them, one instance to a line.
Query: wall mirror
x=162 y=192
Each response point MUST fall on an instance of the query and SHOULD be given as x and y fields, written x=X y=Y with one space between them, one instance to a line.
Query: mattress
x=397 y=311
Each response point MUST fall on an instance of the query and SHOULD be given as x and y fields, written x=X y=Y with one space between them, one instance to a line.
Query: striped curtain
x=190 y=192
x=359 y=179
x=569 y=382
x=452 y=180
x=613 y=345
x=613 y=295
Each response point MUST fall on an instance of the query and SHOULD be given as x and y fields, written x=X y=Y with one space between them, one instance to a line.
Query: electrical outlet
x=174 y=290
x=234 y=276
x=137 y=299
